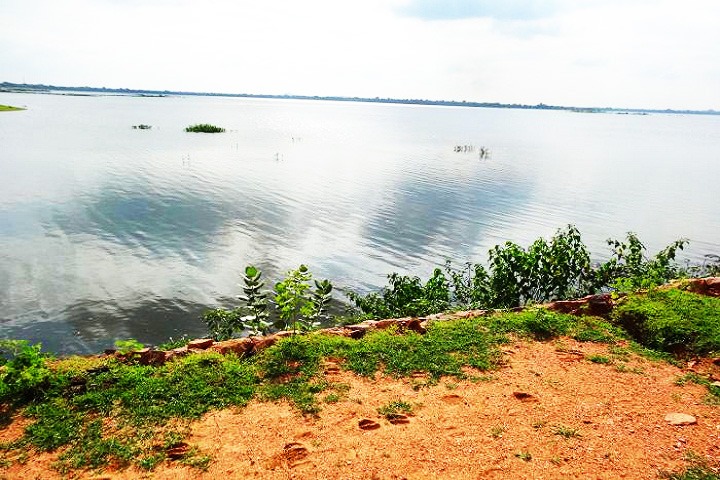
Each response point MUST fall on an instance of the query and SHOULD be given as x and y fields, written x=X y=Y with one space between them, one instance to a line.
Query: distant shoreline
x=82 y=91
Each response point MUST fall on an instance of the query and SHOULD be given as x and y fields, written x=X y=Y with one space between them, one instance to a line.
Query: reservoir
x=109 y=232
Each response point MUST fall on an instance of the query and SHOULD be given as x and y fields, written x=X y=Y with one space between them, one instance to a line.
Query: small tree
x=298 y=308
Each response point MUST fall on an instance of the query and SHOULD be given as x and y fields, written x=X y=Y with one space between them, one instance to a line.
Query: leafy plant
x=406 y=296
x=298 y=308
x=630 y=268
x=396 y=409
x=222 y=323
x=320 y=299
x=545 y=271
x=256 y=301
x=554 y=269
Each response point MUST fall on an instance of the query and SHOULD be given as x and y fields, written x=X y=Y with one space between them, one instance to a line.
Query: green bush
x=672 y=321
x=25 y=374
x=554 y=269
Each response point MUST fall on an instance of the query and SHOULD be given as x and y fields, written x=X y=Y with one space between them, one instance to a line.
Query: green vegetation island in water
x=204 y=128
x=9 y=108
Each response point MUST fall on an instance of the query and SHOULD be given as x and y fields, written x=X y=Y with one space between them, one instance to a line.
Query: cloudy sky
x=624 y=53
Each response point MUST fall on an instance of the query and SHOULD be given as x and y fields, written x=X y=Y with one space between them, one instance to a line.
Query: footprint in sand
x=453 y=399
x=295 y=454
x=366 y=424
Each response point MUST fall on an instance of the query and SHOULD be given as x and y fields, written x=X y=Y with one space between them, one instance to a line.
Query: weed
x=25 y=375
x=623 y=368
x=172 y=343
x=599 y=359
x=565 y=432
x=196 y=459
x=395 y=409
x=149 y=462
x=497 y=431
x=331 y=398
x=524 y=456
x=713 y=395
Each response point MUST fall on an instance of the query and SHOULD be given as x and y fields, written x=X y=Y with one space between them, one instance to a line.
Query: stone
x=200 y=344
x=238 y=346
x=337 y=331
x=415 y=325
x=153 y=357
x=358 y=331
x=680 y=419
x=601 y=304
x=566 y=306
x=715 y=384
x=261 y=343
x=387 y=323
x=179 y=352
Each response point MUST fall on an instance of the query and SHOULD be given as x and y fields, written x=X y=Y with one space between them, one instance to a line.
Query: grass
x=9 y=108
x=204 y=128
x=672 y=321
x=601 y=359
x=713 y=395
x=100 y=411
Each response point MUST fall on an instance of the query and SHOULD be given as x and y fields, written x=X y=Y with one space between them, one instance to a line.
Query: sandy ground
x=549 y=413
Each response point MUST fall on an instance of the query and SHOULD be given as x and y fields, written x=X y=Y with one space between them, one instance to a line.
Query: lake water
x=107 y=232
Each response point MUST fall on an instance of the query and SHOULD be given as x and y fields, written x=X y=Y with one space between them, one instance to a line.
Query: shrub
x=298 y=307
x=554 y=269
x=25 y=375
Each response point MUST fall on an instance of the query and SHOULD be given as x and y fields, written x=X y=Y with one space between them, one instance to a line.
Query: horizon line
x=387 y=100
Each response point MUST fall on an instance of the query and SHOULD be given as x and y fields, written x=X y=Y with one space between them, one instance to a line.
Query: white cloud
x=630 y=53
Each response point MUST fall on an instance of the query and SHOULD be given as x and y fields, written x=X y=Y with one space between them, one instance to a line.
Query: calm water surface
x=108 y=232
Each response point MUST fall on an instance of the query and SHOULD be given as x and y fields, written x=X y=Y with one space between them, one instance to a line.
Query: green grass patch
x=204 y=128
x=395 y=409
x=601 y=359
x=672 y=321
x=713 y=395
x=9 y=108
x=541 y=324
x=695 y=472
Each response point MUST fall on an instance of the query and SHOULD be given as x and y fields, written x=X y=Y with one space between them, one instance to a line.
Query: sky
x=599 y=53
